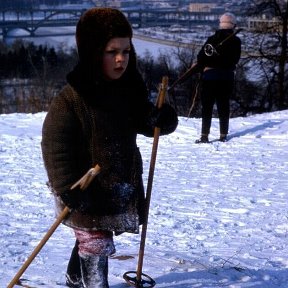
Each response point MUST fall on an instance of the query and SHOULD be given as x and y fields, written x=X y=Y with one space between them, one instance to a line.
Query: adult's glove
x=164 y=118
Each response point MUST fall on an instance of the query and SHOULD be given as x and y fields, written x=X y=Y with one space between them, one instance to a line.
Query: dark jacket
x=226 y=57
x=89 y=124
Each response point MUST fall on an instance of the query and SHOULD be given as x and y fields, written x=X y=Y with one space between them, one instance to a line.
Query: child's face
x=116 y=58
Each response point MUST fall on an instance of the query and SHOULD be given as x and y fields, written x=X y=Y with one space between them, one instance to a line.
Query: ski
x=218 y=140
x=121 y=257
x=23 y=282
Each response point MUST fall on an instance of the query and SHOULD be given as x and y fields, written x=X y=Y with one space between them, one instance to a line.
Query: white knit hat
x=227 y=21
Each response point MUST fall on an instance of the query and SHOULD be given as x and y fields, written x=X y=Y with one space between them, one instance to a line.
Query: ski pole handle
x=162 y=93
x=84 y=181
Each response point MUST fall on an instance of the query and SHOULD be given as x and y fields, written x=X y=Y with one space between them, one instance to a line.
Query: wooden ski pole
x=60 y=218
x=83 y=183
x=138 y=281
x=160 y=101
x=196 y=68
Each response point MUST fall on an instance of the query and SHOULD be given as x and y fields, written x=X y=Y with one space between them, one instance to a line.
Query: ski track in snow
x=218 y=214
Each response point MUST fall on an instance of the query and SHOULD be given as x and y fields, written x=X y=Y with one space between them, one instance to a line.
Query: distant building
x=201 y=7
x=116 y=3
x=264 y=24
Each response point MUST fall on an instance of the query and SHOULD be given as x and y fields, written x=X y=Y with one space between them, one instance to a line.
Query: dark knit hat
x=96 y=27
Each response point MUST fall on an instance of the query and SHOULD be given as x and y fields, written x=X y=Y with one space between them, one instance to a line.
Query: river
x=67 y=42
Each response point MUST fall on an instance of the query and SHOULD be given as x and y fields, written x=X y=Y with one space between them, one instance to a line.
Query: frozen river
x=68 y=42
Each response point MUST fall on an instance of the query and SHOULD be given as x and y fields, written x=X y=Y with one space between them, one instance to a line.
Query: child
x=95 y=119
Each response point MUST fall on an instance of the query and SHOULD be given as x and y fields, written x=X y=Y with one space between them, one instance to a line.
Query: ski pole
x=83 y=183
x=196 y=68
x=139 y=281
x=61 y=217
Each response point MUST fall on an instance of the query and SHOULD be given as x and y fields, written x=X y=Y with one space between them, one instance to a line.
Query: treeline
x=30 y=76
x=26 y=60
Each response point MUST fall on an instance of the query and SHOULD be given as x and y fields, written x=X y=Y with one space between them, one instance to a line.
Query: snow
x=218 y=214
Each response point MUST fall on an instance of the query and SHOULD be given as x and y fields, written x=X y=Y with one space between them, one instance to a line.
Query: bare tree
x=184 y=96
x=272 y=54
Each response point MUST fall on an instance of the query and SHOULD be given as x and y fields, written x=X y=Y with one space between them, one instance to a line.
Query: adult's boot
x=202 y=139
x=94 y=271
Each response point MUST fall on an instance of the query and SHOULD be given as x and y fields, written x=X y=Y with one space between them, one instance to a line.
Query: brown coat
x=77 y=136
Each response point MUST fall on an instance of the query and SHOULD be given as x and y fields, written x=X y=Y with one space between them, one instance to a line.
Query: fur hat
x=95 y=28
x=227 y=21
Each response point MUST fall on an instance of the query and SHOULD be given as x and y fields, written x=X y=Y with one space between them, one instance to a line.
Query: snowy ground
x=219 y=211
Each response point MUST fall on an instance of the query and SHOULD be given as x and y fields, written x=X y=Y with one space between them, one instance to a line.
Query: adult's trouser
x=216 y=92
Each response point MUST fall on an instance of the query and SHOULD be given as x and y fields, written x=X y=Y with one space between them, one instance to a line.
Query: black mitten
x=72 y=198
x=165 y=118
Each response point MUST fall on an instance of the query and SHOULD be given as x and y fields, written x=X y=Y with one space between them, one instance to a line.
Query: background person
x=218 y=58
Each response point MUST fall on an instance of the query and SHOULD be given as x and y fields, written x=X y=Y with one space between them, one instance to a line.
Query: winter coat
x=98 y=124
x=223 y=62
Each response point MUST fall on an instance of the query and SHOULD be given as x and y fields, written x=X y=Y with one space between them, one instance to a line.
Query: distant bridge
x=31 y=20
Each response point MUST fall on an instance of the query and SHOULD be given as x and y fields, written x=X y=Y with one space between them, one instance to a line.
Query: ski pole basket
x=145 y=282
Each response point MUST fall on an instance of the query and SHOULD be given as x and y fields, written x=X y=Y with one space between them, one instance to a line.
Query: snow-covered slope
x=218 y=218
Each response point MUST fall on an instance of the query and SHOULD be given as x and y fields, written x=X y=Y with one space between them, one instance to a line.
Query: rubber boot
x=73 y=274
x=94 y=271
